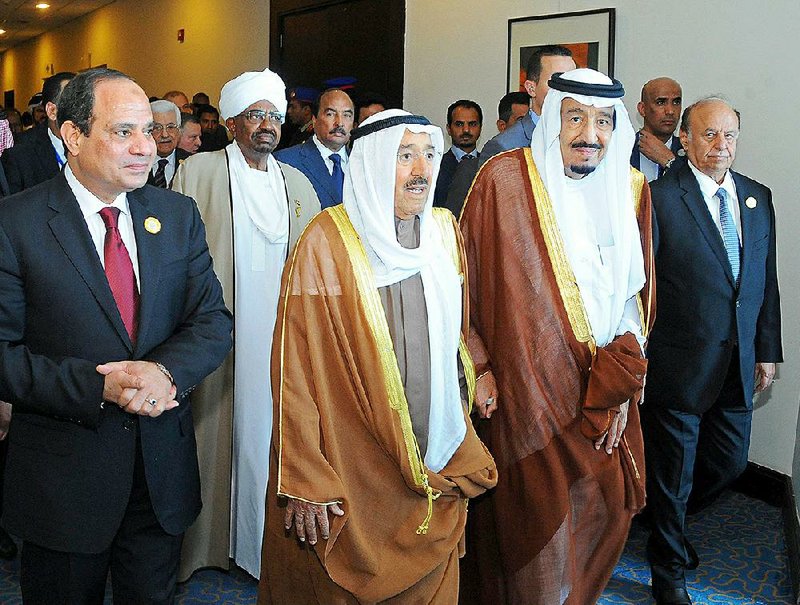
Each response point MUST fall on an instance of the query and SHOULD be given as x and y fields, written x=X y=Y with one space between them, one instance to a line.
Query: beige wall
x=735 y=47
x=139 y=37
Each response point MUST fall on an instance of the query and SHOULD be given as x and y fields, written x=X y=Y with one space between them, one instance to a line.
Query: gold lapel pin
x=297 y=208
x=751 y=202
x=152 y=224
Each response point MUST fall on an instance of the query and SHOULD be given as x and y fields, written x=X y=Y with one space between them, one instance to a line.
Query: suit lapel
x=746 y=216
x=693 y=198
x=149 y=250
x=69 y=228
x=318 y=167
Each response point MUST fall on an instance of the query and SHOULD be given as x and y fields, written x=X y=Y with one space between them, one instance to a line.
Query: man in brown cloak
x=559 y=255
x=372 y=448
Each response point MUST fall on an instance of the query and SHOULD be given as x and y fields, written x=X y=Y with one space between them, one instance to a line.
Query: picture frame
x=588 y=34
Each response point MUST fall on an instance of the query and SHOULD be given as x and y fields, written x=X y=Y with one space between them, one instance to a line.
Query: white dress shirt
x=91 y=206
x=58 y=147
x=327 y=153
x=169 y=169
x=461 y=154
x=709 y=187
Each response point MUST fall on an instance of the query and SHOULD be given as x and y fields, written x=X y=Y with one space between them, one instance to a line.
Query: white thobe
x=258 y=278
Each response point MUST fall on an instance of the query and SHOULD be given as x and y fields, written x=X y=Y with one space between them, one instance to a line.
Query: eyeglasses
x=257 y=116
x=406 y=158
x=170 y=128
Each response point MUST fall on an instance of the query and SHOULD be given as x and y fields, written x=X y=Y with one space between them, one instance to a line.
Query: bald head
x=661 y=107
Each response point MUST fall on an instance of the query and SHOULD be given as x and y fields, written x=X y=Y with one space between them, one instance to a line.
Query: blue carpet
x=743 y=561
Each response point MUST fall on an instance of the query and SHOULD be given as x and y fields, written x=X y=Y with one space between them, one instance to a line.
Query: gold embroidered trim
x=565 y=278
x=637 y=182
x=376 y=318
x=444 y=220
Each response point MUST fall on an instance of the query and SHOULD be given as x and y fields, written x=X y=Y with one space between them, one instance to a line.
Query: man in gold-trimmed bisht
x=373 y=456
x=558 y=243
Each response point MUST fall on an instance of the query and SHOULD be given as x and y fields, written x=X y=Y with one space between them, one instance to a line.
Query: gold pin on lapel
x=751 y=202
x=152 y=224
x=297 y=208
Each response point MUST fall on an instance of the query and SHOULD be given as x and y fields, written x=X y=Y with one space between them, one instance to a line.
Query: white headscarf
x=610 y=184
x=251 y=86
x=369 y=200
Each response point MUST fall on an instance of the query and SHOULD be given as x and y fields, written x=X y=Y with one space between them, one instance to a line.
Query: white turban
x=609 y=185
x=250 y=87
x=369 y=191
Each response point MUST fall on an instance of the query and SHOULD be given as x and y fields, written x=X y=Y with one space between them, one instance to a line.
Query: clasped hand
x=138 y=387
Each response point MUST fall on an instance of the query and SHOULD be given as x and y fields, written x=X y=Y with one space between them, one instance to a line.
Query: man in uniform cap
x=558 y=241
x=373 y=451
x=300 y=112
x=255 y=209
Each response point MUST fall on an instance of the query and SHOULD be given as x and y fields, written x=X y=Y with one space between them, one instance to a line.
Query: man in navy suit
x=110 y=313
x=542 y=64
x=38 y=154
x=656 y=148
x=323 y=158
x=717 y=334
x=464 y=123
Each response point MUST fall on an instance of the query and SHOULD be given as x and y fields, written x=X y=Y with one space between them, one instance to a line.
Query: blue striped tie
x=338 y=174
x=729 y=235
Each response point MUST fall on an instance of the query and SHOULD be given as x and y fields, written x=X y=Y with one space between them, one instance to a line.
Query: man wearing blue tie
x=717 y=335
x=323 y=157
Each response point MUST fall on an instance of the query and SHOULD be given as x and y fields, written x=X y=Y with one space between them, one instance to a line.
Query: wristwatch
x=669 y=164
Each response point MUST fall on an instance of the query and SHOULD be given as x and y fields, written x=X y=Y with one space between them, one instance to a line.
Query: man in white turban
x=373 y=456
x=255 y=209
x=559 y=248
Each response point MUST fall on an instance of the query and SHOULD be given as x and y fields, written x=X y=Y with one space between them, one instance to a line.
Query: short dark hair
x=76 y=104
x=199 y=94
x=203 y=108
x=51 y=90
x=316 y=104
x=686 y=117
x=188 y=118
x=467 y=104
x=533 y=69
x=511 y=98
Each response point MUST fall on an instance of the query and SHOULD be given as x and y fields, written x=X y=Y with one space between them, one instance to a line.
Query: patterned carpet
x=740 y=542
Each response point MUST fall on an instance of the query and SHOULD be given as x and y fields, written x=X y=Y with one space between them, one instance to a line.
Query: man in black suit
x=656 y=148
x=38 y=155
x=110 y=313
x=166 y=133
x=716 y=338
x=464 y=123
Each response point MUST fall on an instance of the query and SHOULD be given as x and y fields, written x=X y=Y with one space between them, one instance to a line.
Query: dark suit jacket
x=675 y=147
x=180 y=155
x=32 y=160
x=307 y=159
x=700 y=313
x=446 y=171
x=519 y=134
x=70 y=463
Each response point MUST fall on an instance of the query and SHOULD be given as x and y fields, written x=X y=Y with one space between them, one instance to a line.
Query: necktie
x=338 y=173
x=119 y=272
x=160 y=179
x=729 y=235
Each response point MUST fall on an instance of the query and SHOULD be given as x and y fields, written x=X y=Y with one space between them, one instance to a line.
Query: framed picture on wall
x=588 y=34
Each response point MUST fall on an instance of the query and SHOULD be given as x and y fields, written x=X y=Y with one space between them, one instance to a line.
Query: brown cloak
x=553 y=529
x=343 y=434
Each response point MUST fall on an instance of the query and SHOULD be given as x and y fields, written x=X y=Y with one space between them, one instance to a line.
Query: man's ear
x=231 y=125
x=51 y=110
x=71 y=136
x=684 y=137
x=640 y=108
x=530 y=88
x=501 y=125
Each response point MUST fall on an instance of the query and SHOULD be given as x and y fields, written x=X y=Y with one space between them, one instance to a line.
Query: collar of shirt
x=534 y=117
x=461 y=154
x=90 y=206
x=709 y=187
x=170 y=163
x=327 y=153
x=58 y=146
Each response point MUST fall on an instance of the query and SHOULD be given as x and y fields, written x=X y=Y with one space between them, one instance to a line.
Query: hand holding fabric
x=486 y=394
x=306 y=516
x=614 y=434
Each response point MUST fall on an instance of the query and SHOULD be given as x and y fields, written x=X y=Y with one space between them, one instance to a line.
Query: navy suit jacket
x=701 y=315
x=70 y=460
x=446 y=171
x=307 y=159
x=519 y=134
x=32 y=160
x=675 y=147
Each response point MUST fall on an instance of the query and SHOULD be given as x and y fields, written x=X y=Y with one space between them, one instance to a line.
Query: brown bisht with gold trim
x=555 y=526
x=343 y=434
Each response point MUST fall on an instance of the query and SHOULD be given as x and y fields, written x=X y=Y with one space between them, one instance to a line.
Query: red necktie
x=119 y=271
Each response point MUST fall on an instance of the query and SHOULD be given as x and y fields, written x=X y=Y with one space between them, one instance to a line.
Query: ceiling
x=23 y=21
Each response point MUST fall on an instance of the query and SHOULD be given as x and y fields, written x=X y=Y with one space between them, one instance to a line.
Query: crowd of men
x=563 y=326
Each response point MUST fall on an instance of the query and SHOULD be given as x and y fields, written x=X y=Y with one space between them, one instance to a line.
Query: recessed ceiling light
x=43 y=5
x=2 y=31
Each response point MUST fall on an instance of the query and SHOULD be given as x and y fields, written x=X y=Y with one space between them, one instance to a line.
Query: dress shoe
x=691 y=554
x=672 y=596
x=8 y=550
